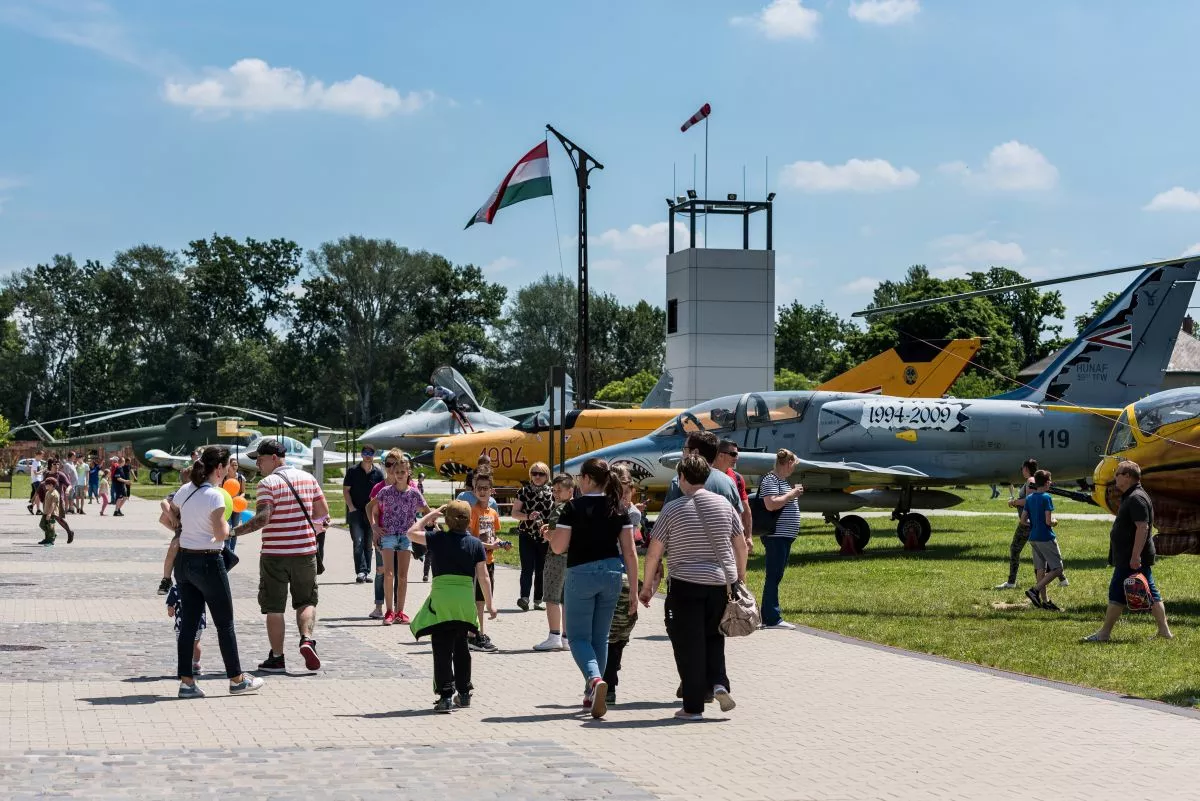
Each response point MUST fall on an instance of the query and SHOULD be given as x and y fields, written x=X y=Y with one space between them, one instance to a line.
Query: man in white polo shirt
x=291 y=510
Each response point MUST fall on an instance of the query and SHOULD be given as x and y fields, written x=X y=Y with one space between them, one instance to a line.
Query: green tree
x=5 y=428
x=1029 y=311
x=977 y=385
x=786 y=379
x=541 y=329
x=809 y=339
x=1082 y=321
x=632 y=390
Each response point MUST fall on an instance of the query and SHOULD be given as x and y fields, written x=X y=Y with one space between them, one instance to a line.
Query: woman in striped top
x=702 y=536
x=779 y=495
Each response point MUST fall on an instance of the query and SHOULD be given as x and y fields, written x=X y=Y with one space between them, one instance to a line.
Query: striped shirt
x=692 y=553
x=788 y=523
x=288 y=533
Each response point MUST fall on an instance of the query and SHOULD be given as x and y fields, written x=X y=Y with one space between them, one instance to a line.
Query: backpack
x=1137 y=593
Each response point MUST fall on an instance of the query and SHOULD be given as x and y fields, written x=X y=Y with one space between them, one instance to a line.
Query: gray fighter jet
x=903 y=449
x=418 y=430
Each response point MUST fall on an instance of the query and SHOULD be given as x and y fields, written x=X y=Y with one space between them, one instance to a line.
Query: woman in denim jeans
x=779 y=496
x=598 y=540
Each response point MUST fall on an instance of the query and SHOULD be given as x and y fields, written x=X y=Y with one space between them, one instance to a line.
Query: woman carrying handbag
x=702 y=535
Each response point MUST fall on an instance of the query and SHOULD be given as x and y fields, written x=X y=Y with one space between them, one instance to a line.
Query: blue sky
x=1054 y=137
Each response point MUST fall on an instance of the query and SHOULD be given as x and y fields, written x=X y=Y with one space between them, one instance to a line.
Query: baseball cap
x=267 y=447
x=458 y=515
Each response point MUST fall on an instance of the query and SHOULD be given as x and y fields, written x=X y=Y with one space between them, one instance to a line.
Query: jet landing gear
x=851 y=532
x=912 y=528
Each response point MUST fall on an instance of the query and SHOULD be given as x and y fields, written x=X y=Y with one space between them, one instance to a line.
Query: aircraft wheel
x=155 y=477
x=916 y=524
x=854 y=526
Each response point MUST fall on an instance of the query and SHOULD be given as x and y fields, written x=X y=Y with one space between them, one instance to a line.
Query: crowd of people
x=61 y=486
x=579 y=538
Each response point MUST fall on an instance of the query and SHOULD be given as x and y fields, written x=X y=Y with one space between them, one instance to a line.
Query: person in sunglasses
x=395 y=507
x=530 y=507
x=727 y=456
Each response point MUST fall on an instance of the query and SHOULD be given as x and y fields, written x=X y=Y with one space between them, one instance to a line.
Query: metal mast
x=584 y=164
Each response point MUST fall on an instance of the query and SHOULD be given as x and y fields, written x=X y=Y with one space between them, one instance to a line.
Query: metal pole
x=562 y=429
x=706 y=177
x=550 y=433
x=580 y=158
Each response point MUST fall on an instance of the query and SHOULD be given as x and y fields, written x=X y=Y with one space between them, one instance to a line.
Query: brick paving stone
x=911 y=727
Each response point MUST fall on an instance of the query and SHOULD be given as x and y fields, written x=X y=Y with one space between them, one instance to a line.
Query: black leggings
x=201 y=579
x=693 y=614
x=451 y=660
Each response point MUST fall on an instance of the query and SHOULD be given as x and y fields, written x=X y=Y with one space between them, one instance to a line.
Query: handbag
x=741 y=615
x=763 y=519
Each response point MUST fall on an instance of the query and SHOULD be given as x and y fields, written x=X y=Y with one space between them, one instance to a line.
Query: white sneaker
x=376 y=614
x=248 y=684
x=553 y=642
x=1008 y=585
x=723 y=698
x=1063 y=581
x=783 y=624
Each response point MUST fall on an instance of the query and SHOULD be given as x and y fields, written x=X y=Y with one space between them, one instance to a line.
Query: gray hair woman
x=779 y=495
x=530 y=507
x=702 y=535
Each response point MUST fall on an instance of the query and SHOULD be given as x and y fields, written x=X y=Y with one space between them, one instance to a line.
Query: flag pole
x=580 y=158
x=706 y=177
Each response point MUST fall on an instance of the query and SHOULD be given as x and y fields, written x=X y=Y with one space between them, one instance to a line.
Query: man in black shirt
x=1130 y=551
x=356 y=489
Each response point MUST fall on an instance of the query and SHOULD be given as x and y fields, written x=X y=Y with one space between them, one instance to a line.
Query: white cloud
x=253 y=85
x=645 y=237
x=860 y=286
x=884 y=12
x=5 y=185
x=606 y=265
x=1174 y=199
x=500 y=264
x=856 y=175
x=1194 y=250
x=1012 y=166
x=963 y=251
x=89 y=24
x=784 y=19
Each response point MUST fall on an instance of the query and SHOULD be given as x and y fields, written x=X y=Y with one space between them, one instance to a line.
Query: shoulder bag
x=741 y=615
x=227 y=556
x=300 y=501
x=763 y=519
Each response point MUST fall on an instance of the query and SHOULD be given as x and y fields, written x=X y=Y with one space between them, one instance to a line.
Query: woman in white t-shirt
x=199 y=508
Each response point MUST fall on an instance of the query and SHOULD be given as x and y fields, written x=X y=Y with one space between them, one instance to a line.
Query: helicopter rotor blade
x=979 y=293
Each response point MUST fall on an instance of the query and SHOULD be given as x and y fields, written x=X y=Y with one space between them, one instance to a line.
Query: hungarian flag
x=529 y=178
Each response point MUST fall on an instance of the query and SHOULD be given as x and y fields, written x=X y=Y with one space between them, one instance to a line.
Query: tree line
x=349 y=333
x=346 y=334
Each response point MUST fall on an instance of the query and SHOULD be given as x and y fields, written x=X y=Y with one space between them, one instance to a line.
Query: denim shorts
x=395 y=542
x=1116 y=587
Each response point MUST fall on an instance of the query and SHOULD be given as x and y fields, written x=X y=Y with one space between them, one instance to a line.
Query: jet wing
x=854 y=474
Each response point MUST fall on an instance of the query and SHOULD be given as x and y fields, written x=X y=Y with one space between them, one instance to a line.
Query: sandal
x=1094 y=638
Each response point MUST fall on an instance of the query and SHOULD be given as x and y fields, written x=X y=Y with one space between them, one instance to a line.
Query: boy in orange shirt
x=485 y=524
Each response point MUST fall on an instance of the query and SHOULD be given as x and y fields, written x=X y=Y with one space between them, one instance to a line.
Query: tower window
x=672 y=316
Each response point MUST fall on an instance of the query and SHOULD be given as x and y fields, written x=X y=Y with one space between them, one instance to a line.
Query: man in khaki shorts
x=291 y=510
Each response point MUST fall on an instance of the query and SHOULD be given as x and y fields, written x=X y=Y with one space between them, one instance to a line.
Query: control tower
x=720 y=306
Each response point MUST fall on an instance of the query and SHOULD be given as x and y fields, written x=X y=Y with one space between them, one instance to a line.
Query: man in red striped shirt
x=290 y=509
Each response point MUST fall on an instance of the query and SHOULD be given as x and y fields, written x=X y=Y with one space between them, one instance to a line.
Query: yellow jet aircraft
x=1161 y=432
x=915 y=369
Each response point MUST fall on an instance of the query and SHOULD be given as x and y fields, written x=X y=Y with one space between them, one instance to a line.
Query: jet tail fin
x=555 y=393
x=913 y=369
x=660 y=396
x=1122 y=354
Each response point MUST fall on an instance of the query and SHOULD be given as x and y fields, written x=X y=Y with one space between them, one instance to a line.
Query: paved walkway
x=88 y=706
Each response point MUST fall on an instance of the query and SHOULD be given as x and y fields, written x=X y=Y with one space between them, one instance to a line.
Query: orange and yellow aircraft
x=910 y=370
x=1160 y=432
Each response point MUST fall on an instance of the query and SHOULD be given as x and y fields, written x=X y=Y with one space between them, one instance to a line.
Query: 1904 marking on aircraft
x=901 y=450
x=908 y=370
